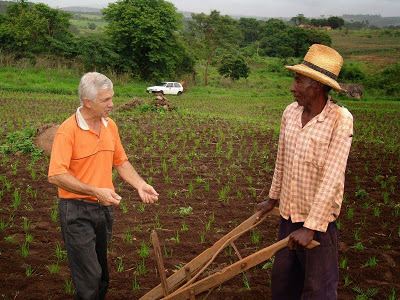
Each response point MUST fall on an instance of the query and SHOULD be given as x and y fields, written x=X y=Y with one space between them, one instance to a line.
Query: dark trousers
x=309 y=274
x=86 y=229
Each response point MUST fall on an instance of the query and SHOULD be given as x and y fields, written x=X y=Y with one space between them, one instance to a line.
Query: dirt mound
x=161 y=101
x=133 y=104
x=45 y=136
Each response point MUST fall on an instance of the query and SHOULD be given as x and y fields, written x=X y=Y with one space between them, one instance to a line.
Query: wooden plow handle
x=206 y=257
x=231 y=271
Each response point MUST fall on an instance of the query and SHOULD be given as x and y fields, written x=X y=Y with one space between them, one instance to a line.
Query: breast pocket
x=316 y=152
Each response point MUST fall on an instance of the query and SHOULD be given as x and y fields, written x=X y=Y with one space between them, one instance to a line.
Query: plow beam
x=231 y=271
x=188 y=274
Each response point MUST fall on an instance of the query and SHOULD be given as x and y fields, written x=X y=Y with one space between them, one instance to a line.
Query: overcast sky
x=265 y=8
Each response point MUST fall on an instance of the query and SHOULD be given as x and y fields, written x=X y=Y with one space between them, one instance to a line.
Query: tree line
x=150 y=39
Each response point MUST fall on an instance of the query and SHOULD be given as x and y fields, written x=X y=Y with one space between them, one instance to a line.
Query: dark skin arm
x=266 y=206
x=299 y=239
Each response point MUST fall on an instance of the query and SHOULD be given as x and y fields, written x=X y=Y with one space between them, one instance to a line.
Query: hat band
x=321 y=70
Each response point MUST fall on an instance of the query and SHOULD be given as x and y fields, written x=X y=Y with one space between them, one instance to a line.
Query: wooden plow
x=183 y=284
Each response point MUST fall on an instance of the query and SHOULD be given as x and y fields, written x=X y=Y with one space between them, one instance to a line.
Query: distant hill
x=80 y=9
x=376 y=20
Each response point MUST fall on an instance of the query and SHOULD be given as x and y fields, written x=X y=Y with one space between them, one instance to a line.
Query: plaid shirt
x=310 y=166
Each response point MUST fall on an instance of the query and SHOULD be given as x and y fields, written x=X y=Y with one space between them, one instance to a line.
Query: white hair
x=91 y=83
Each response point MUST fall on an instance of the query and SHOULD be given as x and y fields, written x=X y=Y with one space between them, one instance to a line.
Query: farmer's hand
x=266 y=206
x=107 y=196
x=300 y=239
x=147 y=193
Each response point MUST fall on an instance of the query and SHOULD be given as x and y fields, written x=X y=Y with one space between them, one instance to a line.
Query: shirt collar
x=324 y=113
x=82 y=122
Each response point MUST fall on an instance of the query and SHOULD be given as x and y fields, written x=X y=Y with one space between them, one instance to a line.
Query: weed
x=3 y=224
x=184 y=226
x=69 y=286
x=361 y=194
x=364 y=295
x=372 y=261
x=222 y=195
x=124 y=207
x=359 y=246
x=357 y=236
x=202 y=238
x=343 y=263
x=142 y=207
x=157 y=223
x=120 y=266
x=166 y=254
x=392 y=296
x=24 y=249
x=17 y=199
x=141 y=268
x=60 y=253
x=28 y=237
x=144 y=250
x=184 y=211
x=53 y=268
x=377 y=211
x=338 y=224
x=28 y=270
x=255 y=237
x=135 y=284
x=350 y=212
x=178 y=267
x=128 y=235
x=246 y=283
x=54 y=213
x=269 y=264
x=347 y=280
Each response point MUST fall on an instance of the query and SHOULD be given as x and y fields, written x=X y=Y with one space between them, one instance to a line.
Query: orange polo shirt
x=89 y=157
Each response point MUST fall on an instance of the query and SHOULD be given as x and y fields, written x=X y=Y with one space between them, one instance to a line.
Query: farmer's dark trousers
x=86 y=230
x=309 y=274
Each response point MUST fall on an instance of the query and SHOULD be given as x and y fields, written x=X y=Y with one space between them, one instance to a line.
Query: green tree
x=96 y=51
x=31 y=29
x=280 y=40
x=92 y=26
x=300 y=19
x=335 y=22
x=233 y=67
x=250 y=28
x=145 y=34
x=318 y=37
x=212 y=32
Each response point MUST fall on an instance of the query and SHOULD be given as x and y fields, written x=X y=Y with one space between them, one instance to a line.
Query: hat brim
x=306 y=71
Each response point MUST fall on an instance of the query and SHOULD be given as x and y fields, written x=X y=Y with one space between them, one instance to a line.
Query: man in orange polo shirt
x=85 y=150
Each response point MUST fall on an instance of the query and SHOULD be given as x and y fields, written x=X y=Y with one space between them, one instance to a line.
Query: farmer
x=85 y=149
x=314 y=144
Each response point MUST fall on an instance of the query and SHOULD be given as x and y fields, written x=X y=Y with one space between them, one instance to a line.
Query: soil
x=378 y=234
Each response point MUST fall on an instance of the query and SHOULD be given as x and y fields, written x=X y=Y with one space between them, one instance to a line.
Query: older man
x=86 y=148
x=314 y=144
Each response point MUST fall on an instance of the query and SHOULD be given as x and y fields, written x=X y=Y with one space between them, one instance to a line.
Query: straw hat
x=322 y=64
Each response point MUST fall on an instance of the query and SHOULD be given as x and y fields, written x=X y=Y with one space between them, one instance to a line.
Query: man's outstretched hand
x=147 y=193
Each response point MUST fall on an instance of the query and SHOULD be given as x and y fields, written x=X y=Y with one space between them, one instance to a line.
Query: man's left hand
x=147 y=193
x=300 y=239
